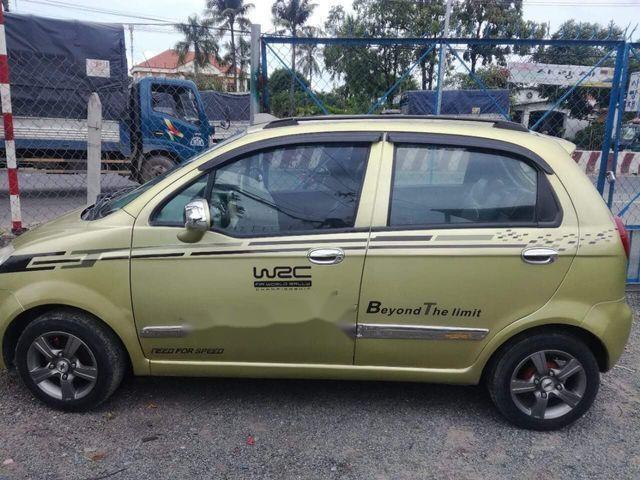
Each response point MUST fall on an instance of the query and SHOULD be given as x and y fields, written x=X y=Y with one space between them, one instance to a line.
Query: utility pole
x=442 y=59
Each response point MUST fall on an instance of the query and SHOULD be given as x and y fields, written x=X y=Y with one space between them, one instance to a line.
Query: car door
x=277 y=278
x=175 y=123
x=467 y=237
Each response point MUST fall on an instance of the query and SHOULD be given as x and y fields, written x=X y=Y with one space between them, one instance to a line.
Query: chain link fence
x=156 y=111
x=572 y=89
x=167 y=106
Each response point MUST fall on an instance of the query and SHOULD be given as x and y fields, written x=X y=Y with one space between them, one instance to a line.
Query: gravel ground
x=215 y=428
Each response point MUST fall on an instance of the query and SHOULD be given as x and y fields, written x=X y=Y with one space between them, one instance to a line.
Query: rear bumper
x=611 y=323
x=9 y=309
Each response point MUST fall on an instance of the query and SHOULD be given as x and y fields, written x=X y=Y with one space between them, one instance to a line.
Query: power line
x=157 y=21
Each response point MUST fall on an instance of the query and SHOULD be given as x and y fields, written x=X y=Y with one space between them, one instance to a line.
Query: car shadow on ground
x=273 y=394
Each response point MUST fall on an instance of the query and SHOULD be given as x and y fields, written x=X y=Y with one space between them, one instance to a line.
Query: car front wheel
x=544 y=382
x=69 y=360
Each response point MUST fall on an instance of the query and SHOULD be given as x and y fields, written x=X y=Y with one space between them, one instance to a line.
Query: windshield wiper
x=95 y=210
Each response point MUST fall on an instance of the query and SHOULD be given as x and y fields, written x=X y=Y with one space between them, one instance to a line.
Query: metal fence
x=575 y=89
x=156 y=112
x=582 y=90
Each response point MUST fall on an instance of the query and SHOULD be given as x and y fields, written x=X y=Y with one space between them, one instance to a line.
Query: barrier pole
x=9 y=141
x=94 y=147
x=254 y=105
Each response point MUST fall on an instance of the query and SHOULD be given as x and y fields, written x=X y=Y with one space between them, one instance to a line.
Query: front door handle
x=326 y=256
x=159 y=133
x=539 y=256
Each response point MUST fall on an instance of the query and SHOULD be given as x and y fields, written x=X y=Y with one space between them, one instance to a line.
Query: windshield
x=111 y=202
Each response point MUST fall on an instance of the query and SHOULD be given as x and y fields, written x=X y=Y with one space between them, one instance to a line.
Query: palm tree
x=230 y=14
x=241 y=55
x=197 y=38
x=291 y=15
x=309 y=54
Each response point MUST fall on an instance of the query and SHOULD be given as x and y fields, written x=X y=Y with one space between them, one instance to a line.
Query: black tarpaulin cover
x=456 y=102
x=225 y=106
x=54 y=65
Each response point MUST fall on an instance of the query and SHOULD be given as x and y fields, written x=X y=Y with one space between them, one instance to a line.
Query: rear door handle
x=158 y=133
x=539 y=256
x=326 y=256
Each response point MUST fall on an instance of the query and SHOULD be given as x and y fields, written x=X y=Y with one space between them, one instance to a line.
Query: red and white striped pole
x=9 y=142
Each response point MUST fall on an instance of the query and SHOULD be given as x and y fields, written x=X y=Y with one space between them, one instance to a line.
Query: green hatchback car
x=357 y=248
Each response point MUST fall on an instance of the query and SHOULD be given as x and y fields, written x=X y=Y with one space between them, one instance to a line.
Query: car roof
x=376 y=119
x=498 y=129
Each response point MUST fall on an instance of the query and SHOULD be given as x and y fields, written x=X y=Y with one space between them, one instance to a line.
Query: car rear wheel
x=69 y=360
x=544 y=382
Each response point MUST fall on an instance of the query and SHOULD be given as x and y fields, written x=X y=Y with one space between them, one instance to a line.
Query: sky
x=150 y=40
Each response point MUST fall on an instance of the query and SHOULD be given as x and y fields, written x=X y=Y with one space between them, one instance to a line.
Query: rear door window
x=439 y=185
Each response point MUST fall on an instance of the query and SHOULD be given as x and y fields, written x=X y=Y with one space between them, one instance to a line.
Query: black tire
x=523 y=407
x=154 y=166
x=98 y=345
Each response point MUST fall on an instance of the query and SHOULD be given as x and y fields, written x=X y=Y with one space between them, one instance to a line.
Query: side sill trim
x=418 y=332
x=173 y=331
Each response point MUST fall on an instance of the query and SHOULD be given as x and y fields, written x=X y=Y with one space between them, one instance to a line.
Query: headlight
x=5 y=253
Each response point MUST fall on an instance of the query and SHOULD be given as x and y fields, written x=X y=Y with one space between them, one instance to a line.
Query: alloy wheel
x=62 y=366
x=548 y=384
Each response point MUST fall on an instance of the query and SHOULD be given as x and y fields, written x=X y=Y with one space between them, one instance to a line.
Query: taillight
x=624 y=235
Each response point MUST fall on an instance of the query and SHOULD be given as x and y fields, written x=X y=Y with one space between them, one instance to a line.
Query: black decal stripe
x=159 y=255
x=399 y=238
x=18 y=263
x=450 y=246
x=244 y=252
x=310 y=242
x=119 y=257
x=101 y=250
x=55 y=262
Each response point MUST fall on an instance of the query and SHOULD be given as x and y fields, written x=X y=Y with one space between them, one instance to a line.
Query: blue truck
x=149 y=124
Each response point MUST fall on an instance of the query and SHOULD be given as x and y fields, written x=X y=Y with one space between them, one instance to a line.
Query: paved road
x=167 y=428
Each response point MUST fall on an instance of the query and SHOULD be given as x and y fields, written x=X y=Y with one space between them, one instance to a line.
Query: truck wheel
x=154 y=166
x=69 y=360
x=544 y=382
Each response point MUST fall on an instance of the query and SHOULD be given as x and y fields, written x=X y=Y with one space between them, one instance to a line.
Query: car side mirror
x=197 y=220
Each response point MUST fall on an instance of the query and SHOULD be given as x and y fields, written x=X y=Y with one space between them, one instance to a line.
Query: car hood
x=71 y=232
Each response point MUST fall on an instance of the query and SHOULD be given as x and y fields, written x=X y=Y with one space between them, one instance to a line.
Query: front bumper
x=611 y=323
x=9 y=309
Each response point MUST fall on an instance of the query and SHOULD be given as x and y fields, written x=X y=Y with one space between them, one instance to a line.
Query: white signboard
x=98 y=68
x=567 y=75
x=632 y=101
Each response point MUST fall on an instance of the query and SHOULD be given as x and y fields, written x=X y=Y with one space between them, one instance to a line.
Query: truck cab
x=169 y=125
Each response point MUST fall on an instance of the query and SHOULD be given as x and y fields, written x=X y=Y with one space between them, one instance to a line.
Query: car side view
x=358 y=248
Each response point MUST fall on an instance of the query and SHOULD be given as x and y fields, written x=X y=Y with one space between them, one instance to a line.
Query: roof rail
x=502 y=124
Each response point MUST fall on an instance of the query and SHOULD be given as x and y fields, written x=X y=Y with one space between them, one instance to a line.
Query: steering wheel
x=225 y=209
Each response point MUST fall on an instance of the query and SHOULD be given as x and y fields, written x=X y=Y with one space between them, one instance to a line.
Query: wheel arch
x=137 y=164
x=594 y=344
x=20 y=322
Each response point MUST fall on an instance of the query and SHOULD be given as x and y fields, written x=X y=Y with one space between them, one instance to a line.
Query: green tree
x=197 y=38
x=487 y=19
x=240 y=54
x=492 y=76
x=309 y=53
x=428 y=22
x=367 y=72
x=292 y=15
x=230 y=14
